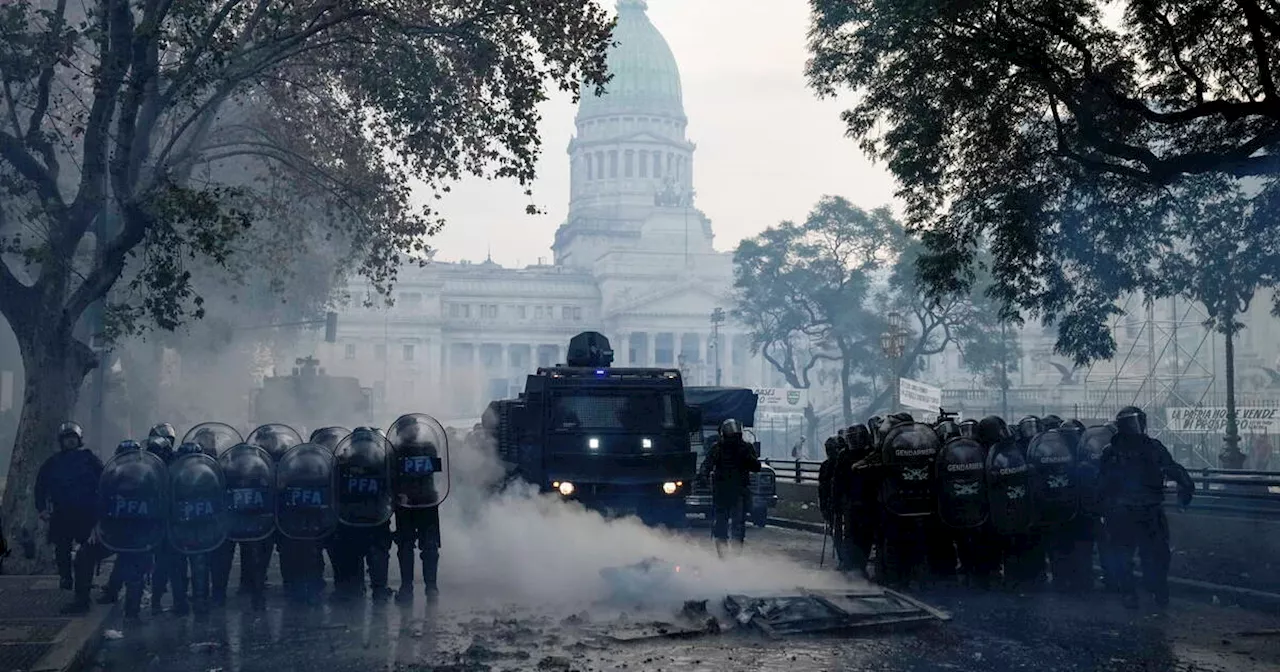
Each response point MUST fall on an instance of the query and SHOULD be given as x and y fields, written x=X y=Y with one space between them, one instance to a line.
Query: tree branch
x=44 y=85
x=15 y=153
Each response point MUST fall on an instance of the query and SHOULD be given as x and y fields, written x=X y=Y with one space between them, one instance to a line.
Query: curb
x=77 y=644
x=1244 y=597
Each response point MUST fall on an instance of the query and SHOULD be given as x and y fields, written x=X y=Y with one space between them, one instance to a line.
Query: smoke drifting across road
x=525 y=548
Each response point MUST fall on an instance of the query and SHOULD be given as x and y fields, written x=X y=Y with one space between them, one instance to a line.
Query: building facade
x=634 y=259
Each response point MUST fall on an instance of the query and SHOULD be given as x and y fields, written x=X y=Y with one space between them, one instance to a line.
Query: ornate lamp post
x=893 y=343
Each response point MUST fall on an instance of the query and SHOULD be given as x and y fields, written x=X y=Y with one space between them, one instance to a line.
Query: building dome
x=646 y=79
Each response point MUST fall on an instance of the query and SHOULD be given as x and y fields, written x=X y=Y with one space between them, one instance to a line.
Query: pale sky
x=767 y=148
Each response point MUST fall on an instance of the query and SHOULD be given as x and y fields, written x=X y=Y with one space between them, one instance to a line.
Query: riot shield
x=329 y=437
x=962 y=484
x=305 y=501
x=131 y=495
x=909 y=451
x=276 y=439
x=197 y=504
x=1009 y=488
x=420 y=461
x=1053 y=478
x=1088 y=464
x=363 y=463
x=213 y=437
x=250 y=496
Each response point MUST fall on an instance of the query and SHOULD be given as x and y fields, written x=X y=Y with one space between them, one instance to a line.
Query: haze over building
x=633 y=259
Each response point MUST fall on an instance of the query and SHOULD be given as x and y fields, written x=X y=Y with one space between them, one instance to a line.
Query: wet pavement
x=989 y=631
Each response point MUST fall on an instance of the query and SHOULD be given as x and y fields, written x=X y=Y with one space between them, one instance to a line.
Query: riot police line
x=991 y=505
x=176 y=513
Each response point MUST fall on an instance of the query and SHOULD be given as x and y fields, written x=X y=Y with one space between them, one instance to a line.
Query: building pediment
x=685 y=298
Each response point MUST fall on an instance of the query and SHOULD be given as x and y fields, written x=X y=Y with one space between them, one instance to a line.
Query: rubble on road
x=791 y=613
x=813 y=612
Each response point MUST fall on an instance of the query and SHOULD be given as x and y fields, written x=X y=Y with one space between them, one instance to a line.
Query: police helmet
x=730 y=428
x=165 y=430
x=128 y=445
x=900 y=418
x=859 y=438
x=1029 y=426
x=189 y=448
x=71 y=429
x=329 y=437
x=969 y=428
x=1051 y=421
x=992 y=430
x=159 y=446
x=1074 y=429
x=1131 y=420
x=832 y=446
x=947 y=430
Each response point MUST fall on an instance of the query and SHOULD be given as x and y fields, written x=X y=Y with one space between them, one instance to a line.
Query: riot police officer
x=415 y=442
x=856 y=500
x=729 y=462
x=1131 y=483
x=66 y=496
x=130 y=568
x=197 y=524
x=160 y=445
x=365 y=507
x=826 y=494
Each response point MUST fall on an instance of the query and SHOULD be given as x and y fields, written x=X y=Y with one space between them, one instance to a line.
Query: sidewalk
x=34 y=637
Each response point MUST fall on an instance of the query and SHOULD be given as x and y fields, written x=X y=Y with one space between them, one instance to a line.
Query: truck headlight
x=593 y=443
x=646 y=443
x=669 y=488
x=565 y=488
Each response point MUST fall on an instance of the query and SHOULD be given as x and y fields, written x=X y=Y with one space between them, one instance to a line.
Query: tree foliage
x=821 y=291
x=1053 y=131
x=172 y=129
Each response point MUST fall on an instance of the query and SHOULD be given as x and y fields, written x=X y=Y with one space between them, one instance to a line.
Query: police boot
x=132 y=601
x=405 y=594
x=721 y=545
x=430 y=568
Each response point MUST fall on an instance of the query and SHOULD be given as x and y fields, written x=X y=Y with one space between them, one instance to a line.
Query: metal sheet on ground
x=828 y=611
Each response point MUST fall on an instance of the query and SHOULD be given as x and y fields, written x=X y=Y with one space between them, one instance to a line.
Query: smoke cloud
x=524 y=548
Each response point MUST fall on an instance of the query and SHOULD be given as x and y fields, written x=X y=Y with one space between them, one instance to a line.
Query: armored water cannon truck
x=310 y=398
x=614 y=439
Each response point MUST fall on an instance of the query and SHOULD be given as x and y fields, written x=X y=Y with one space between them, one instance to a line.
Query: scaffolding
x=1166 y=359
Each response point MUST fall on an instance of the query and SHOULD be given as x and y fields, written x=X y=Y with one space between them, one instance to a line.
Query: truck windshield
x=631 y=411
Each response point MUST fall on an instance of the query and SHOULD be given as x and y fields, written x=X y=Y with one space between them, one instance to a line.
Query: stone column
x=726 y=340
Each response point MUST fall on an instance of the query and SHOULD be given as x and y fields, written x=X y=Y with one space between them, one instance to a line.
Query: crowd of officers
x=991 y=505
x=175 y=513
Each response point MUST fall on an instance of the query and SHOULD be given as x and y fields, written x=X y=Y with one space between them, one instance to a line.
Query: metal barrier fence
x=1218 y=490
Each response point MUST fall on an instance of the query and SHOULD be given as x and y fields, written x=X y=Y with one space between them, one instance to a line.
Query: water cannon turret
x=589 y=349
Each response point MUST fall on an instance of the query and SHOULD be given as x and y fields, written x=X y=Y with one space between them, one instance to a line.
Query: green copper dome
x=646 y=79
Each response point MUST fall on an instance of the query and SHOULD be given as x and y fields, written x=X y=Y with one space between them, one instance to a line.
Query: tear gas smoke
x=521 y=547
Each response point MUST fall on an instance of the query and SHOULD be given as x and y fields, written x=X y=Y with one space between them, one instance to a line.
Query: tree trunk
x=56 y=365
x=846 y=394
x=1231 y=456
x=811 y=425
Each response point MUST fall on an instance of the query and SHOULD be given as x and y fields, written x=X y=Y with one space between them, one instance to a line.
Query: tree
x=802 y=290
x=821 y=291
x=114 y=121
x=1051 y=129
x=1221 y=254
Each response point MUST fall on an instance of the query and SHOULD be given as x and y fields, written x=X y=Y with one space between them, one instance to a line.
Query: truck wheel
x=760 y=517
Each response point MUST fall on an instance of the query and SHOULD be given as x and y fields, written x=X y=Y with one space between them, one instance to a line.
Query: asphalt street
x=989 y=631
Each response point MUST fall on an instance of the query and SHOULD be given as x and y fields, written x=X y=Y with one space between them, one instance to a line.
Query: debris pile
x=828 y=611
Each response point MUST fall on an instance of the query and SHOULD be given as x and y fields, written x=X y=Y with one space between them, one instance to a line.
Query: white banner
x=781 y=399
x=915 y=394
x=1213 y=419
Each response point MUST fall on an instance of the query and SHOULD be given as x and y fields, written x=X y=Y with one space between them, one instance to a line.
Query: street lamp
x=893 y=343
x=717 y=319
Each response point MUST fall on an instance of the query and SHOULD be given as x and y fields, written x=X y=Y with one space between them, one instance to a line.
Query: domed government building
x=634 y=260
